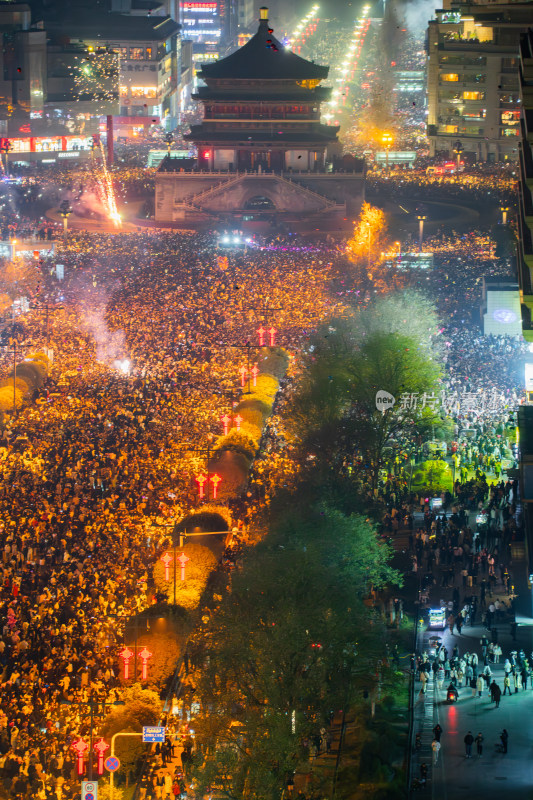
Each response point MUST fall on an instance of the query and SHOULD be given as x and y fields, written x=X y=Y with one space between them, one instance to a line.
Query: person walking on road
x=479 y=743
x=435 y=746
x=507 y=684
x=469 y=741
x=437 y=732
x=504 y=738
x=495 y=693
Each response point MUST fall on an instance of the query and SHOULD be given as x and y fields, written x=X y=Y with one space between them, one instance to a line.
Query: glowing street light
x=144 y=655
x=420 y=218
x=226 y=421
x=215 y=480
x=126 y=655
x=183 y=560
x=101 y=746
x=80 y=747
x=166 y=558
x=200 y=480
x=272 y=335
x=243 y=372
x=261 y=331
x=505 y=211
x=238 y=420
x=387 y=140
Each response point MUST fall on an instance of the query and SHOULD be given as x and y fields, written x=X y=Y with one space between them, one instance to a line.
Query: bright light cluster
x=106 y=191
x=344 y=72
x=305 y=28
x=95 y=75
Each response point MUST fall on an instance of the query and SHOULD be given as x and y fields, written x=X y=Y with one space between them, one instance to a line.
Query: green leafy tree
x=292 y=641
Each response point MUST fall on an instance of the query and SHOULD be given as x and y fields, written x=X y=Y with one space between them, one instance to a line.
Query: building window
x=144 y=91
x=149 y=53
x=473 y=95
x=510 y=117
x=450 y=77
x=136 y=53
x=510 y=131
x=122 y=51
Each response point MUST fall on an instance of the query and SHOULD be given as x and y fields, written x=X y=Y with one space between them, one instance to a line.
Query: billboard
x=503 y=316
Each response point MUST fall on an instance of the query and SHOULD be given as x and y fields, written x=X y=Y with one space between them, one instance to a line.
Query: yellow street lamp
x=387 y=140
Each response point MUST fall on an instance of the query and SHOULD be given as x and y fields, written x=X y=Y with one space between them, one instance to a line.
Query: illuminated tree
x=334 y=409
x=369 y=237
x=142 y=707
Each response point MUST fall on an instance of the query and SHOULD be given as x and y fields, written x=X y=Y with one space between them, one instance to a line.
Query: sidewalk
x=489 y=775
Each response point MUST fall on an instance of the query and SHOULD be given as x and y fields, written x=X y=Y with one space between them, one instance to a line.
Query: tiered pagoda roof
x=263 y=58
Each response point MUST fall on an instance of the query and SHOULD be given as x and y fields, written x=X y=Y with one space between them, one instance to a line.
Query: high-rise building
x=22 y=68
x=473 y=102
x=148 y=58
x=525 y=222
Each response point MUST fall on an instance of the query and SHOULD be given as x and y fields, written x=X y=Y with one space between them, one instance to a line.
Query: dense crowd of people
x=148 y=332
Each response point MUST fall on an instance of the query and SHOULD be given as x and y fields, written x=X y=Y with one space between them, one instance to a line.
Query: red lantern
x=243 y=372
x=166 y=559
x=200 y=480
x=183 y=560
x=272 y=333
x=261 y=331
x=144 y=655
x=238 y=420
x=255 y=373
x=101 y=746
x=226 y=421
x=215 y=480
x=126 y=654
x=80 y=747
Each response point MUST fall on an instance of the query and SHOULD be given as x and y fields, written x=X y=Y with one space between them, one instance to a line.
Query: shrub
x=6 y=398
x=39 y=365
x=253 y=431
x=210 y=517
x=255 y=403
x=252 y=417
x=274 y=362
x=239 y=442
x=22 y=386
x=42 y=357
x=267 y=386
x=30 y=373
x=201 y=563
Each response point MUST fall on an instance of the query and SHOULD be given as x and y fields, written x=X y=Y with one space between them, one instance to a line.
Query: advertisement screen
x=503 y=316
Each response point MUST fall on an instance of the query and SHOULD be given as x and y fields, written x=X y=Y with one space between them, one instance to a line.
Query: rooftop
x=85 y=24
x=263 y=57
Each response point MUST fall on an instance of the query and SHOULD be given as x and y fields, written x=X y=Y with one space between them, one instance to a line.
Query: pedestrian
x=504 y=738
x=479 y=743
x=495 y=693
x=480 y=685
x=506 y=684
x=435 y=746
x=469 y=741
x=437 y=732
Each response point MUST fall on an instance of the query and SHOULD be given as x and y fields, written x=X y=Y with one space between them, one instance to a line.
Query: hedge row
x=30 y=376
x=255 y=408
